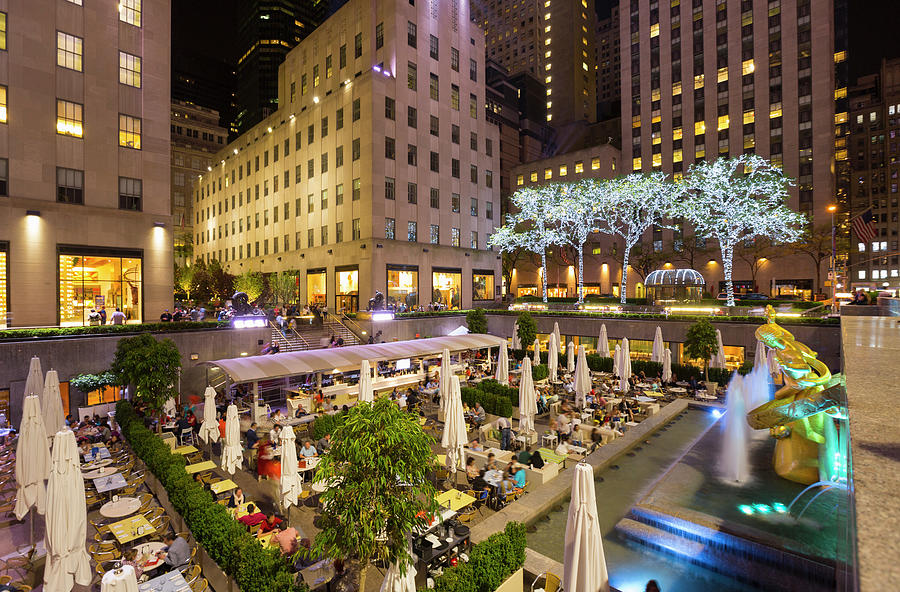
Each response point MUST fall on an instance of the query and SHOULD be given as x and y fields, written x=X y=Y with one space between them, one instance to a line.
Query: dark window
x=130 y=194
x=69 y=185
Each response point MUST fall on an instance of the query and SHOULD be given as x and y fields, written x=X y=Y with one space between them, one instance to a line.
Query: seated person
x=286 y=540
x=476 y=446
x=471 y=470
x=300 y=412
x=491 y=464
x=525 y=456
x=412 y=398
x=519 y=476
x=271 y=524
x=562 y=449
x=130 y=558
x=324 y=444
x=537 y=461
x=236 y=499
x=253 y=517
x=478 y=415
x=308 y=450
x=176 y=554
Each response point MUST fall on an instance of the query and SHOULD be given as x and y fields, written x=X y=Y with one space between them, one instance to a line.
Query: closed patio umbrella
x=516 y=343
x=557 y=335
x=759 y=359
x=603 y=342
x=366 y=393
x=290 y=478
x=395 y=582
x=502 y=375
x=232 y=452
x=67 y=558
x=444 y=384
x=454 y=437
x=624 y=365
x=34 y=383
x=537 y=352
x=527 y=398
x=582 y=377
x=570 y=357
x=656 y=355
x=584 y=563
x=51 y=401
x=209 y=429
x=667 y=365
x=552 y=359
x=32 y=460
x=119 y=580
x=718 y=360
x=617 y=360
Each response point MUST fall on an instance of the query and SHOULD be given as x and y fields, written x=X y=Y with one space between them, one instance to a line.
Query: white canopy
x=444 y=384
x=759 y=359
x=570 y=357
x=34 y=383
x=209 y=429
x=527 y=398
x=537 y=353
x=516 y=344
x=552 y=359
x=32 y=459
x=718 y=359
x=454 y=437
x=290 y=478
x=366 y=392
x=603 y=342
x=667 y=365
x=557 y=335
x=459 y=331
x=624 y=365
x=582 y=377
x=66 y=524
x=502 y=375
x=119 y=580
x=232 y=452
x=656 y=354
x=51 y=400
x=250 y=368
x=584 y=563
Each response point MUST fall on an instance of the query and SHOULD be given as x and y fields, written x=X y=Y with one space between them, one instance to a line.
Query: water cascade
x=735 y=464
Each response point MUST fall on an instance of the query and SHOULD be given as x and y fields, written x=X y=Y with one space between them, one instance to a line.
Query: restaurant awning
x=249 y=369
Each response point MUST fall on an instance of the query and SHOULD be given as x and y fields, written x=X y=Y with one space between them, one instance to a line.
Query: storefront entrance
x=346 y=281
x=316 y=292
x=90 y=279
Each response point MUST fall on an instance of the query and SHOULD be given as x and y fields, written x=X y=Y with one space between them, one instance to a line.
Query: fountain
x=734 y=462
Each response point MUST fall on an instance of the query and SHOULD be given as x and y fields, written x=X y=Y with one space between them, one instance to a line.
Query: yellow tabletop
x=241 y=510
x=206 y=465
x=128 y=529
x=265 y=539
x=422 y=420
x=223 y=486
x=442 y=459
x=185 y=450
x=454 y=499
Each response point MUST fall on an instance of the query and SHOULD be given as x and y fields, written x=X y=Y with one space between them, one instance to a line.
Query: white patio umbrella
x=169 y=407
x=209 y=429
x=557 y=335
x=584 y=563
x=366 y=392
x=67 y=558
x=502 y=375
x=718 y=360
x=290 y=478
x=454 y=437
x=527 y=398
x=582 y=377
x=537 y=352
x=444 y=384
x=624 y=365
x=603 y=342
x=759 y=359
x=656 y=354
x=570 y=357
x=232 y=452
x=394 y=582
x=32 y=459
x=667 y=365
x=516 y=343
x=51 y=401
x=552 y=359
x=617 y=361
x=122 y=579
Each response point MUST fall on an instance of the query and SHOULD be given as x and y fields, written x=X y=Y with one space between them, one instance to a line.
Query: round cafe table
x=96 y=464
x=124 y=506
x=103 y=472
x=146 y=555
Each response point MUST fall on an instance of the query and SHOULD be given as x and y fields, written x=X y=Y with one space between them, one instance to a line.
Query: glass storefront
x=347 y=288
x=90 y=281
x=4 y=299
x=734 y=357
x=557 y=291
x=446 y=287
x=402 y=286
x=526 y=291
x=590 y=289
x=483 y=285
x=316 y=292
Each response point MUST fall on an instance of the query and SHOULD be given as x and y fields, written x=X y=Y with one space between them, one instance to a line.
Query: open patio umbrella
x=366 y=393
x=617 y=361
x=759 y=359
x=584 y=563
x=209 y=429
x=552 y=359
x=557 y=335
x=570 y=357
x=290 y=478
x=603 y=342
x=394 y=582
x=32 y=459
x=502 y=375
x=51 y=401
x=444 y=384
x=667 y=365
x=718 y=360
x=656 y=355
x=122 y=579
x=527 y=398
x=232 y=453
x=454 y=437
x=537 y=352
x=582 y=377
x=516 y=343
x=67 y=558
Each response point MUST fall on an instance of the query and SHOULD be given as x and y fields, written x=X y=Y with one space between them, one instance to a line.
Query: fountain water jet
x=735 y=463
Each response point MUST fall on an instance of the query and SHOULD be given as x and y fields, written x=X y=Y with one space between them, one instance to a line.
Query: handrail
x=288 y=339
x=359 y=331
x=301 y=338
x=339 y=321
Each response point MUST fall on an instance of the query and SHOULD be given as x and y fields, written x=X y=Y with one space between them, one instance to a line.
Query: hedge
x=18 y=334
x=490 y=563
x=326 y=424
x=493 y=404
x=226 y=540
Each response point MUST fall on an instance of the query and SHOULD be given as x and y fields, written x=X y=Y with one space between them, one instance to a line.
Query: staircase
x=307 y=337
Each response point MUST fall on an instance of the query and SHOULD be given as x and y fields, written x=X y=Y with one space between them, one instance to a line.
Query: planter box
x=514 y=583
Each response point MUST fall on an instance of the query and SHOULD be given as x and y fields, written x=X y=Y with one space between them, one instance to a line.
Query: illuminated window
x=548 y=173
x=2 y=104
x=520 y=180
x=655 y=94
x=549 y=116
x=584 y=66
x=563 y=170
x=840 y=56
x=657 y=160
x=547 y=16
x=747 y=67
x=654 y=30
x=722 y=75
x=676 y=88
x=699 y=128
x=636 y=164
x=635 y=121
x=775 y=111
x=676 y=133
x=749 y=116
x=548 y=66
x=840 y=93
x=2 y=30
x=547 y=41
x=130 y=12
x=698 y=81
x=547 y=79
x=69 y=51
x=595 y=163
x=547 y=29
x=129 y=69
x=579 y=166
x=129 y=131
x=69 y=118
x=533 y=177
x=482 y=285
x=85 y=278
x=677 y=155
x=547 y=53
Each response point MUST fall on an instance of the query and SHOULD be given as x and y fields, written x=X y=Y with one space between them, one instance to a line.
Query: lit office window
x=129 y=69
x=129 y=131
x=130 y=12
x=2 y=30
x=2 y=104
x=69 y=118
x=69 y=51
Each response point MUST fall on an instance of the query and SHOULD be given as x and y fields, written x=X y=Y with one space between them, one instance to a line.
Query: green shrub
x=326 y=424
x=476 y=321
x=527 y=329
x=18 y=334
x=540 y=372
x=492 y=403
x=518 y=354
x=490 y=563
x=598 y=363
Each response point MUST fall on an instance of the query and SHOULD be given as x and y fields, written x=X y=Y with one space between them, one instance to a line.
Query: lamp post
x=833 y=209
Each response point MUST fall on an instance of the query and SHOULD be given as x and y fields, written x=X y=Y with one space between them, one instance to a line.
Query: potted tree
x=700 y=343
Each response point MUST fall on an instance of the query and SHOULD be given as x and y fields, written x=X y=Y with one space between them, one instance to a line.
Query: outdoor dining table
x=131 y=529
x=96 y=464
x=220 y=487
x=206 y=465
x=169 y=582
x=124 y=506
x=310 y=463
x=295 y=421
x=110 y=483
x=146 y=555
x=188 y=449
x=102 y=452
x=640 y=399
x=101 y=472
x=454 y=499
x=240 y=511
x=318 y=574
x=677 y=390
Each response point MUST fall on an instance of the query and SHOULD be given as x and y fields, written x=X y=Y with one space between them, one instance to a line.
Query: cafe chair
x=255 y=529
x=191 y=573
x=154 y=513
x=200 y=585
x=187 y=436
x=104 y=566
x=552 y=583
x=146 y=500
x=5 y=580
x=21 y=587
x=100 y=528
x=99 y=556
x=160 y=526
x=467 y=514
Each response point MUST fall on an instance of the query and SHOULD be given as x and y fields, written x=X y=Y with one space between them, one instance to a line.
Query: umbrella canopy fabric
x=34 y=383
x=718 y=360
x=454 y=437
x=32 y=460
x=394 y=582
x=209 y=429
x=582 y=377
x=624 y=365
x=570 y=357
x=119 y=580
x=537 y=352
x=759 y=360
x=617 y=361
x=444 y=384
x=557 y=335
x=67 y=558
x=552 y=359
x=290 y=478
x=232 y=453
x=603 y=342
x=584 y=563
x=51 y=400
x=527 y=398
x=667 y=365
x=366 y=393
x=502 y=375
x=169 y=407
x=656 y=354
x=516 y=343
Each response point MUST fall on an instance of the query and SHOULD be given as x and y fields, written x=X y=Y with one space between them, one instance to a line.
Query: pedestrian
x=102 y=315
x=165 y=317
x=117 y=318
x=94 y=317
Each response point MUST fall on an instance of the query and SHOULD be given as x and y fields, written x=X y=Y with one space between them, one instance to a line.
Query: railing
x=342 y=330
x=354 y=327
x=286 y=343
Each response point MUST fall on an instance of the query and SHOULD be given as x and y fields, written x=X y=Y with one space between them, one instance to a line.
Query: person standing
x=102 y=315
x=505 y=426
x=94 y=317
x=117 y=318
x=165 y=317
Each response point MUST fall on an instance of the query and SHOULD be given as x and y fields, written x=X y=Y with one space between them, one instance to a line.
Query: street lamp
x=832 y=209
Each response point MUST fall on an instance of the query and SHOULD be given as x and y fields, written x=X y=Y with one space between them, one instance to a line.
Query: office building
x=211 y=83
x=608 y=63
x=84 y=159
x=196 y=138
x=320 y=187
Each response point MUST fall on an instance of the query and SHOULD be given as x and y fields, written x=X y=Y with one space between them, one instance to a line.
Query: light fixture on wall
x=159 y=224
x=32 y=213
x=362 y=246
x=330 y=251
x=195 y=356
x=424 y=250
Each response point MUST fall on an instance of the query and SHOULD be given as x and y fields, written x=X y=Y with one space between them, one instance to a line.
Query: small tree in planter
x=476 y=321
x=701 y=343
x=527 y=329
x=150 y=366
x=378 y=469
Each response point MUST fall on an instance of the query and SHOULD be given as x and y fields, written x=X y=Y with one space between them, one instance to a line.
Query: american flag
x=864 y=226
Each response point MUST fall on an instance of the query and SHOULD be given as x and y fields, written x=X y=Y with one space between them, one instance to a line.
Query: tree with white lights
x=577 y=214
x=630 y=206
x=738 y=199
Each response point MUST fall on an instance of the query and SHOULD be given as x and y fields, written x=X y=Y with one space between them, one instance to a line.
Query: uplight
x=316 y=100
